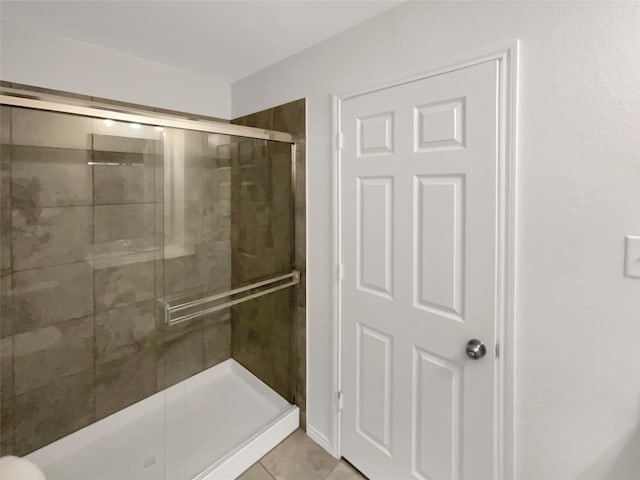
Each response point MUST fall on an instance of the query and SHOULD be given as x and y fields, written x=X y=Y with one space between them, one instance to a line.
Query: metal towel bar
x=294 y=277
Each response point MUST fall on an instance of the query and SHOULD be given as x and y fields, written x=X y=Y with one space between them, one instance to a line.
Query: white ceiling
x=227 y=40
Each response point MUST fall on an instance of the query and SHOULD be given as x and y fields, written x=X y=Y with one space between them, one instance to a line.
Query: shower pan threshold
x=212 y=426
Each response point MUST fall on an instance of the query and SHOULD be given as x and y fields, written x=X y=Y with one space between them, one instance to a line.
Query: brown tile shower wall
x=258 y=328
x=262 y=233
x=84 y=217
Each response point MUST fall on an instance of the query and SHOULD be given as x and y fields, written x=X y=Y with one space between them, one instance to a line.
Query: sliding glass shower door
x=106 y=226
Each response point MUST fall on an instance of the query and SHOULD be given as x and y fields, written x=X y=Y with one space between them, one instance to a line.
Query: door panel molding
x=433 y=272
x=453 y=112
x=375 y=248
x=422 y=360
x=367 y=398
x=506 y=223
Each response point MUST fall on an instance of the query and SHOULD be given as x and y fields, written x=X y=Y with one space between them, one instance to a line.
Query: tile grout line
x=13 y=338
x=332 y=470
x=266 y=469
x=93 y=280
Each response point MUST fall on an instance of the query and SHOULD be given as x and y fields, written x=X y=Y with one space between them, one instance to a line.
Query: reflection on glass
x=102 y=220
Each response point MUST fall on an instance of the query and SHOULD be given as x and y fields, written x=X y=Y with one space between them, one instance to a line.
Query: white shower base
x=213 y=425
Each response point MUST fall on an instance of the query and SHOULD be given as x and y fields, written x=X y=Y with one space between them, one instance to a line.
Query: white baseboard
x=321 y=440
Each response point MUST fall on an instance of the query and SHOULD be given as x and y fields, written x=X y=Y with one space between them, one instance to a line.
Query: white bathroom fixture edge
x=239 y=460
x=211 y=426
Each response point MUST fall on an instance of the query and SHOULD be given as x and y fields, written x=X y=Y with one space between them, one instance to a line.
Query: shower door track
x=155 y=121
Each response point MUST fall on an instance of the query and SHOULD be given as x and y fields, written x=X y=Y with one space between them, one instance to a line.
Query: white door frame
x=506 y=294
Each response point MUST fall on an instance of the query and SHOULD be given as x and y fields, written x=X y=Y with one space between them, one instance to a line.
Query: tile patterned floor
x=300 y=458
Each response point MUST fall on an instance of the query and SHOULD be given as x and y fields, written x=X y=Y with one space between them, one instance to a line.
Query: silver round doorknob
x=476 y=349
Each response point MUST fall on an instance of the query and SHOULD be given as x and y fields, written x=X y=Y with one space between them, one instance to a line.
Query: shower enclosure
x=147 y=292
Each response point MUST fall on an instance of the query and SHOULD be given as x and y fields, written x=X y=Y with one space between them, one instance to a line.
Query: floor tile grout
x=331 y=472
x=266 y=469
x=288 y=457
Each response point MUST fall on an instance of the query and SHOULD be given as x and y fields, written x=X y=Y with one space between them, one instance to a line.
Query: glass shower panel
x=263 y=247
x=103 y=224
x=81 y=208
x=197 y=248
x=228 y=222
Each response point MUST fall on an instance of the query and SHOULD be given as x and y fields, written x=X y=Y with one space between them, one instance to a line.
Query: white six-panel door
x=418 y=247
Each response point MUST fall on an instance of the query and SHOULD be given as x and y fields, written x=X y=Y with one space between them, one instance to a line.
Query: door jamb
x=505 y=404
